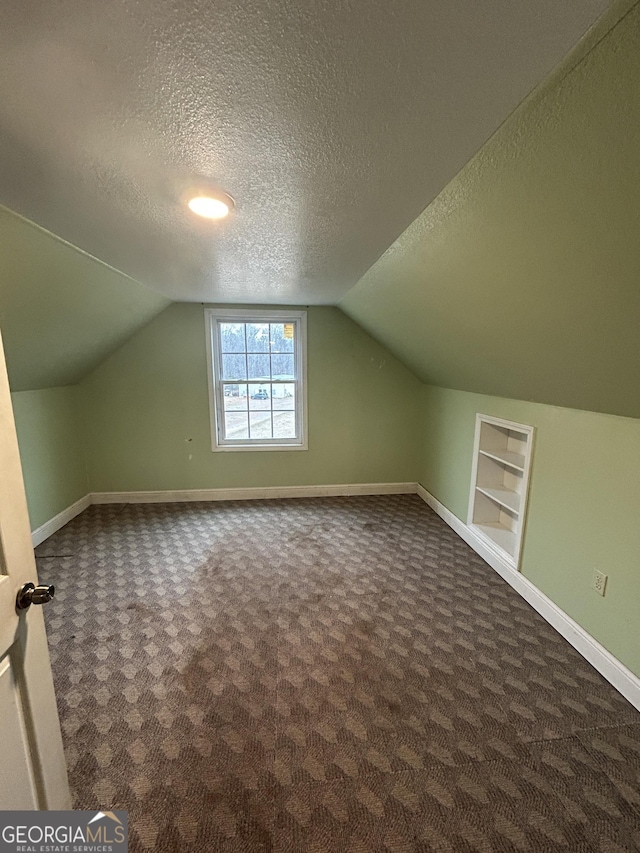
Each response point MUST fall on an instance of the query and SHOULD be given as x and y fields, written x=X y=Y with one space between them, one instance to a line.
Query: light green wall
x=51 y=452
x=147 y=413
x=584 y=503
x=144 y=412
x=522 y=279
x=62 y=312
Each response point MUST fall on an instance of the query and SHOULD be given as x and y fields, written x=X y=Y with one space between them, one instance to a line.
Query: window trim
x=216 y=401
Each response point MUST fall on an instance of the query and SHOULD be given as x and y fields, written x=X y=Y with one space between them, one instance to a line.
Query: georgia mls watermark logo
x=63 y=832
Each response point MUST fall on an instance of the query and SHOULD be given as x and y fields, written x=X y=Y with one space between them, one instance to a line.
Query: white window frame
x=213 y=316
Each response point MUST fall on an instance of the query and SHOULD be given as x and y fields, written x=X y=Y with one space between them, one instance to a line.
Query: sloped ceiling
x=522 y=279
x=61 y=311
x=332 y=123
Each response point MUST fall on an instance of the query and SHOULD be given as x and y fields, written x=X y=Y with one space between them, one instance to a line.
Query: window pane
x=259 y=397
x=234 y=367
x=260 y=424
x=282 y=337
x=256 y=381
x=284 y=425
x=283 y=396
x=232 y=337
x=257 y=337
x=235 y=397
x=258 y=367
x=282 y=366
x=235 y=425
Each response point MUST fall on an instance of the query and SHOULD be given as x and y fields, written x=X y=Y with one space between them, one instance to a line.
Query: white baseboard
x=247 y=494
x=607 y=665
x=49 y=527
x=254 y=494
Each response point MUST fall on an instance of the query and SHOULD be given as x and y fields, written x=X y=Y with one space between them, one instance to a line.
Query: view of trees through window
x=257 y=379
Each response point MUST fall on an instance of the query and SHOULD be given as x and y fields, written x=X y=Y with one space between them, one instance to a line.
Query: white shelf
x=499 y=483
x=501 y=535
x=504 y=497
x=513 y=460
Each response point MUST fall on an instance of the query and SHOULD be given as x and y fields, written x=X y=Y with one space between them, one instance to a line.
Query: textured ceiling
x=62 y=312
x=522 y=278
x=333 y=123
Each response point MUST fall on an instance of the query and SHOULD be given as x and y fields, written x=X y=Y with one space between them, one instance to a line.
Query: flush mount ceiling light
x=210 y=204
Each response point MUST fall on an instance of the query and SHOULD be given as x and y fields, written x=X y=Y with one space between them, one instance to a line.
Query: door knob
x=30 y=594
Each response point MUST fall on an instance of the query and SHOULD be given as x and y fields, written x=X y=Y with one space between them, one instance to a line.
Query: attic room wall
x=584 y=503
x=146 y=413
x=53 y=466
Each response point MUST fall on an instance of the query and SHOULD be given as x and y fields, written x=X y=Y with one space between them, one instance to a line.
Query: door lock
x=31 y=594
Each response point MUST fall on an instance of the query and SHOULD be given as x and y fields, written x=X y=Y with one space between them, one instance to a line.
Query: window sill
x=252 y=448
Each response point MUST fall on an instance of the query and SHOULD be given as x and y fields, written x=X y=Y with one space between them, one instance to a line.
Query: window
x=257 y=364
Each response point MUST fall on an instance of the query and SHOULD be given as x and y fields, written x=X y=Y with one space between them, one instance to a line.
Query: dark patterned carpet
x=339 y=674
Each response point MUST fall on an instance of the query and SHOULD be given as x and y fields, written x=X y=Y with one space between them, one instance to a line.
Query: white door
x=33 y=774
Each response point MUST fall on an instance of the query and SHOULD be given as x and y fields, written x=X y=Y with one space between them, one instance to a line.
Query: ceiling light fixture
x=212 y=205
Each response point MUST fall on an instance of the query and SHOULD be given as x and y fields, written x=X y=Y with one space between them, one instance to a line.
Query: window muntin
x=257 y=365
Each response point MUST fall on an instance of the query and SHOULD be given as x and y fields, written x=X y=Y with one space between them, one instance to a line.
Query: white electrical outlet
x=600 y=582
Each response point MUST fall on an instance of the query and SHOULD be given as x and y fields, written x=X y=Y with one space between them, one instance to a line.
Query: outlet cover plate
x=600 y=582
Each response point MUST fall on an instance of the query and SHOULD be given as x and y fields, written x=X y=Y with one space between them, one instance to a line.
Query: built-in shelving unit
x=499 y=484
